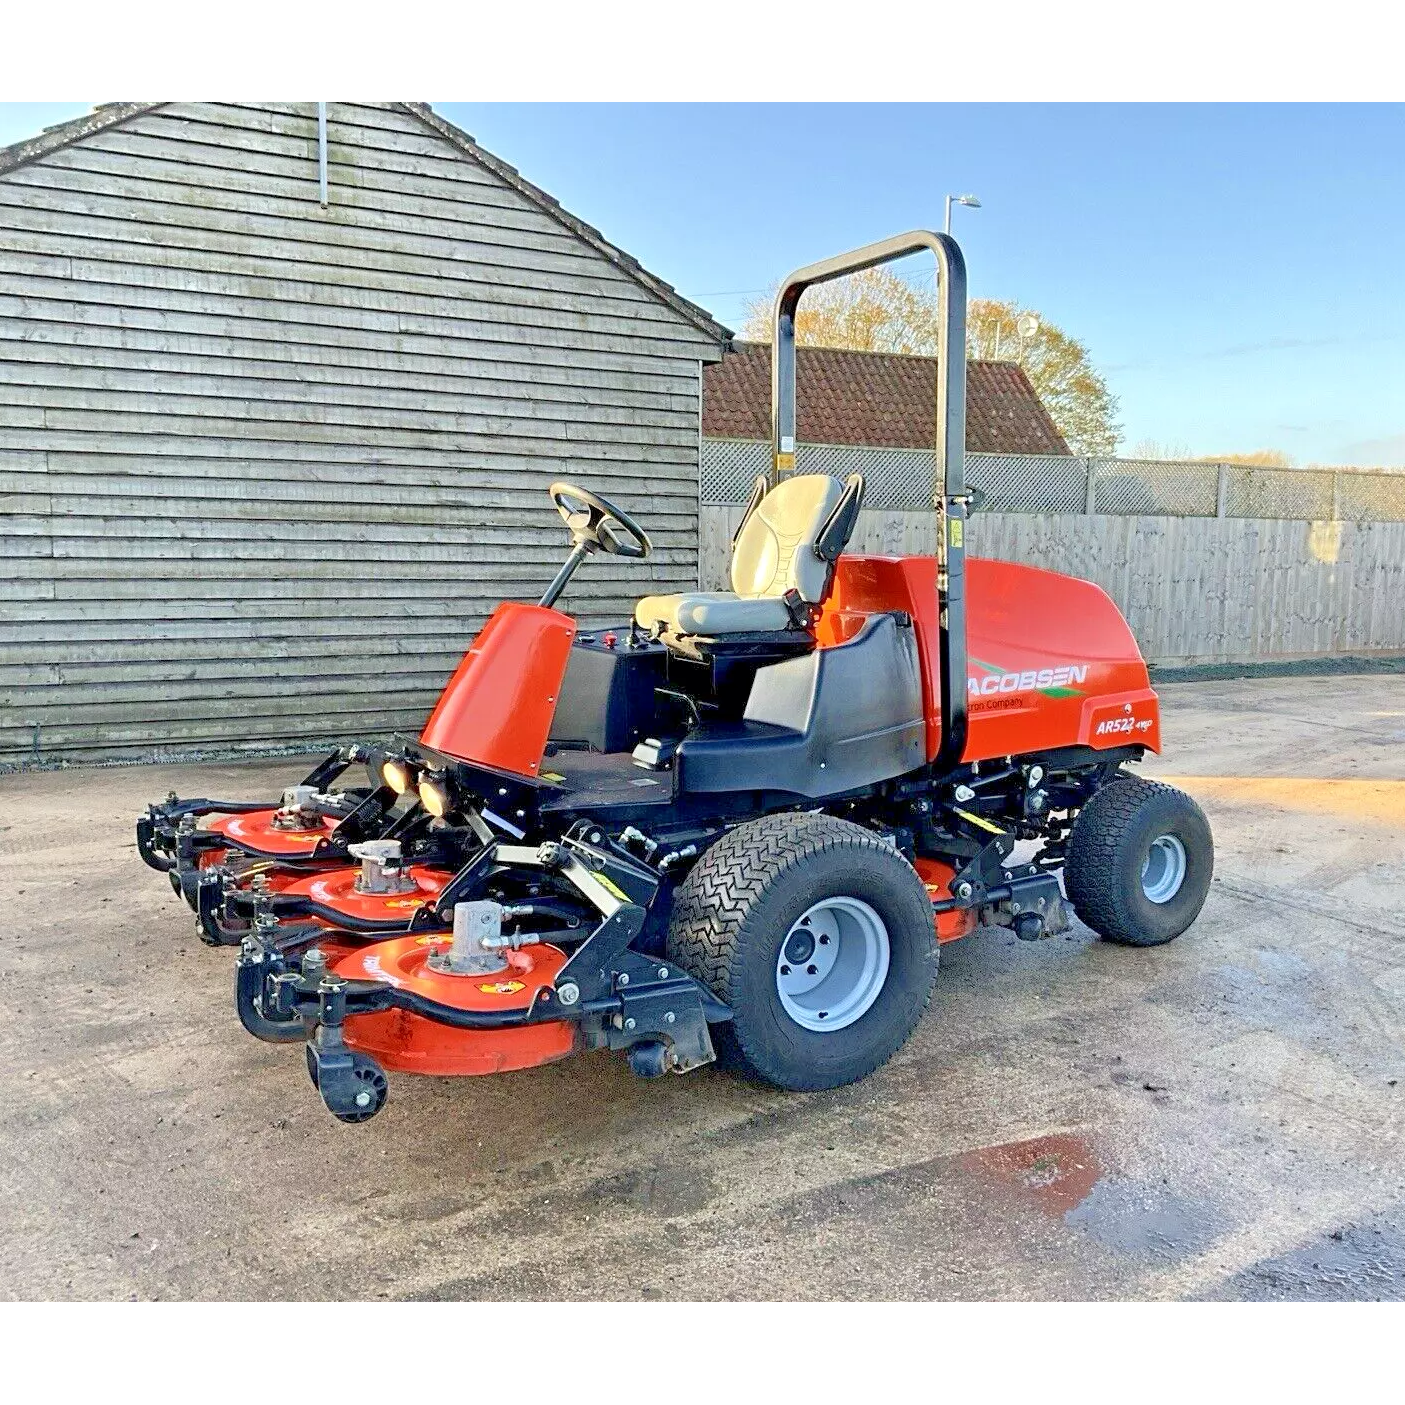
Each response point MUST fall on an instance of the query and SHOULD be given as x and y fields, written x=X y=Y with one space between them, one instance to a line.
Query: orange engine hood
x=1050 y=660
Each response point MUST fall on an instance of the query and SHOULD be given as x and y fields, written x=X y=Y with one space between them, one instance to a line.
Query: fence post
x=1222 y=491
x=1090 y=493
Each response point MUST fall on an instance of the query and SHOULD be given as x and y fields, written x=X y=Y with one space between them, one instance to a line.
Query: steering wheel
x=597 y=524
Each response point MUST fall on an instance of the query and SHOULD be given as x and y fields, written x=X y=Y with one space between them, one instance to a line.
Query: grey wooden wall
x=266 y=467
x=1194 y=589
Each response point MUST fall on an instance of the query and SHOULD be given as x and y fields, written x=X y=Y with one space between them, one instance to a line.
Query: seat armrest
x=834 y=536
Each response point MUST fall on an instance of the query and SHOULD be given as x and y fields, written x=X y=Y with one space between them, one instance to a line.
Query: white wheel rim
x=1163 y=869
x=832 y=964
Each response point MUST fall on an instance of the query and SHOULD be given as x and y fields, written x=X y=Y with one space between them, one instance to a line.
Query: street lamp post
x=959 y=200
x=975 y=205
x=1026 y=329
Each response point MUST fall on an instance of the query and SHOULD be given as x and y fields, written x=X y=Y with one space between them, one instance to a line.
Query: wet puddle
x=1062 y=1176
x=1147 y=1221
x=1362 y=1262
x=1055 y=1173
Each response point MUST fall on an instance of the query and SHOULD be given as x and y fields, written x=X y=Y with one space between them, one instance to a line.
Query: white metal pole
x=322 y=152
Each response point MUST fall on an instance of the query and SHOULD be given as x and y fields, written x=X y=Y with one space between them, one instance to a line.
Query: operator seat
x=783 y=559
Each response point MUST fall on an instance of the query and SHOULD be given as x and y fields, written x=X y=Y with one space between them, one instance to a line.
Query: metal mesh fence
x=1153 y=487
x=895 y=477
x=902 y=478
x=729 y=467
x=1023 y=483
x=1371 y=497
x=1279 y=492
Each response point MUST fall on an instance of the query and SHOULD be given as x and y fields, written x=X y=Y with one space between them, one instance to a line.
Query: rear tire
x=1140 y=860
x=764 y=886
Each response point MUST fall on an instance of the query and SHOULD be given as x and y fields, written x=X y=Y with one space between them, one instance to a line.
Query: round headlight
x=398 y=774
x=434 y=795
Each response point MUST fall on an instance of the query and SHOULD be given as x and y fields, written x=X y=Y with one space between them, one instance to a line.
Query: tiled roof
x=875 y=399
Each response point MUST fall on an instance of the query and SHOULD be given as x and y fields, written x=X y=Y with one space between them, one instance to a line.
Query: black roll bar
x=949 y=495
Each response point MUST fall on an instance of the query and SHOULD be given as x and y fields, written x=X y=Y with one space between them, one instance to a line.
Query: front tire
x=1140 y=860
x=821 y=939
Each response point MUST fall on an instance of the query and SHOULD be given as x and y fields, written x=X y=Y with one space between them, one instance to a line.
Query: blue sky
x=1237 y=272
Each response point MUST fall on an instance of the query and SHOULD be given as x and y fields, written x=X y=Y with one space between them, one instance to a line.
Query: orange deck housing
x=937 y=876
x=409 y=1043
x=336 y=888
x=255 y=833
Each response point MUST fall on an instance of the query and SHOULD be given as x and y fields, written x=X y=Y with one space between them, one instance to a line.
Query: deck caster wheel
x=648 y=1060
x=1029 y=927
x=189 y=887
x=370 y=1094
x=210 y=923
x=352 y=1085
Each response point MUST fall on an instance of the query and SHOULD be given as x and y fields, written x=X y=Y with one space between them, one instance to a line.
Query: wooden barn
x=281 y=391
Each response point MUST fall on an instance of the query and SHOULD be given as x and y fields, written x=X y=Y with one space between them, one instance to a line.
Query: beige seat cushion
x=774 y=553
x=711 y=613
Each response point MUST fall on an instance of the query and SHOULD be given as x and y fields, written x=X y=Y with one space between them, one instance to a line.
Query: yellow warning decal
x=979 y=820
x=404 y=902
x=785 y=463
x=956 y=532
x=502 y=987
x=552 y=776
x=611 y=887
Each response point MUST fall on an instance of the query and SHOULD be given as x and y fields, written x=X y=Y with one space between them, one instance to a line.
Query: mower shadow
x=591 y=1114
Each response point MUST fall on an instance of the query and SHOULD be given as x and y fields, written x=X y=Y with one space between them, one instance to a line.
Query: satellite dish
x=1027 y=325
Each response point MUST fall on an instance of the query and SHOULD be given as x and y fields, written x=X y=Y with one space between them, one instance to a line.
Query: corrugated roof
x=110 y=114
x=875 y=399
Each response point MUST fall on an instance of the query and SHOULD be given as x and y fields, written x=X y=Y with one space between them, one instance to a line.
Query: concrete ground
x=1221 y=1117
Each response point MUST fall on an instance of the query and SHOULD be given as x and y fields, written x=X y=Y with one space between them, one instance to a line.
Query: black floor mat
x=590 y=779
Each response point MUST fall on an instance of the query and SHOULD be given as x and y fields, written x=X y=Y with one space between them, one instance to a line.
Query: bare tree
x=878 y=311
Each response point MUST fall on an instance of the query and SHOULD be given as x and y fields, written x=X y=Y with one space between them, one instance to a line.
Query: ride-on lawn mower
x=741 y=823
